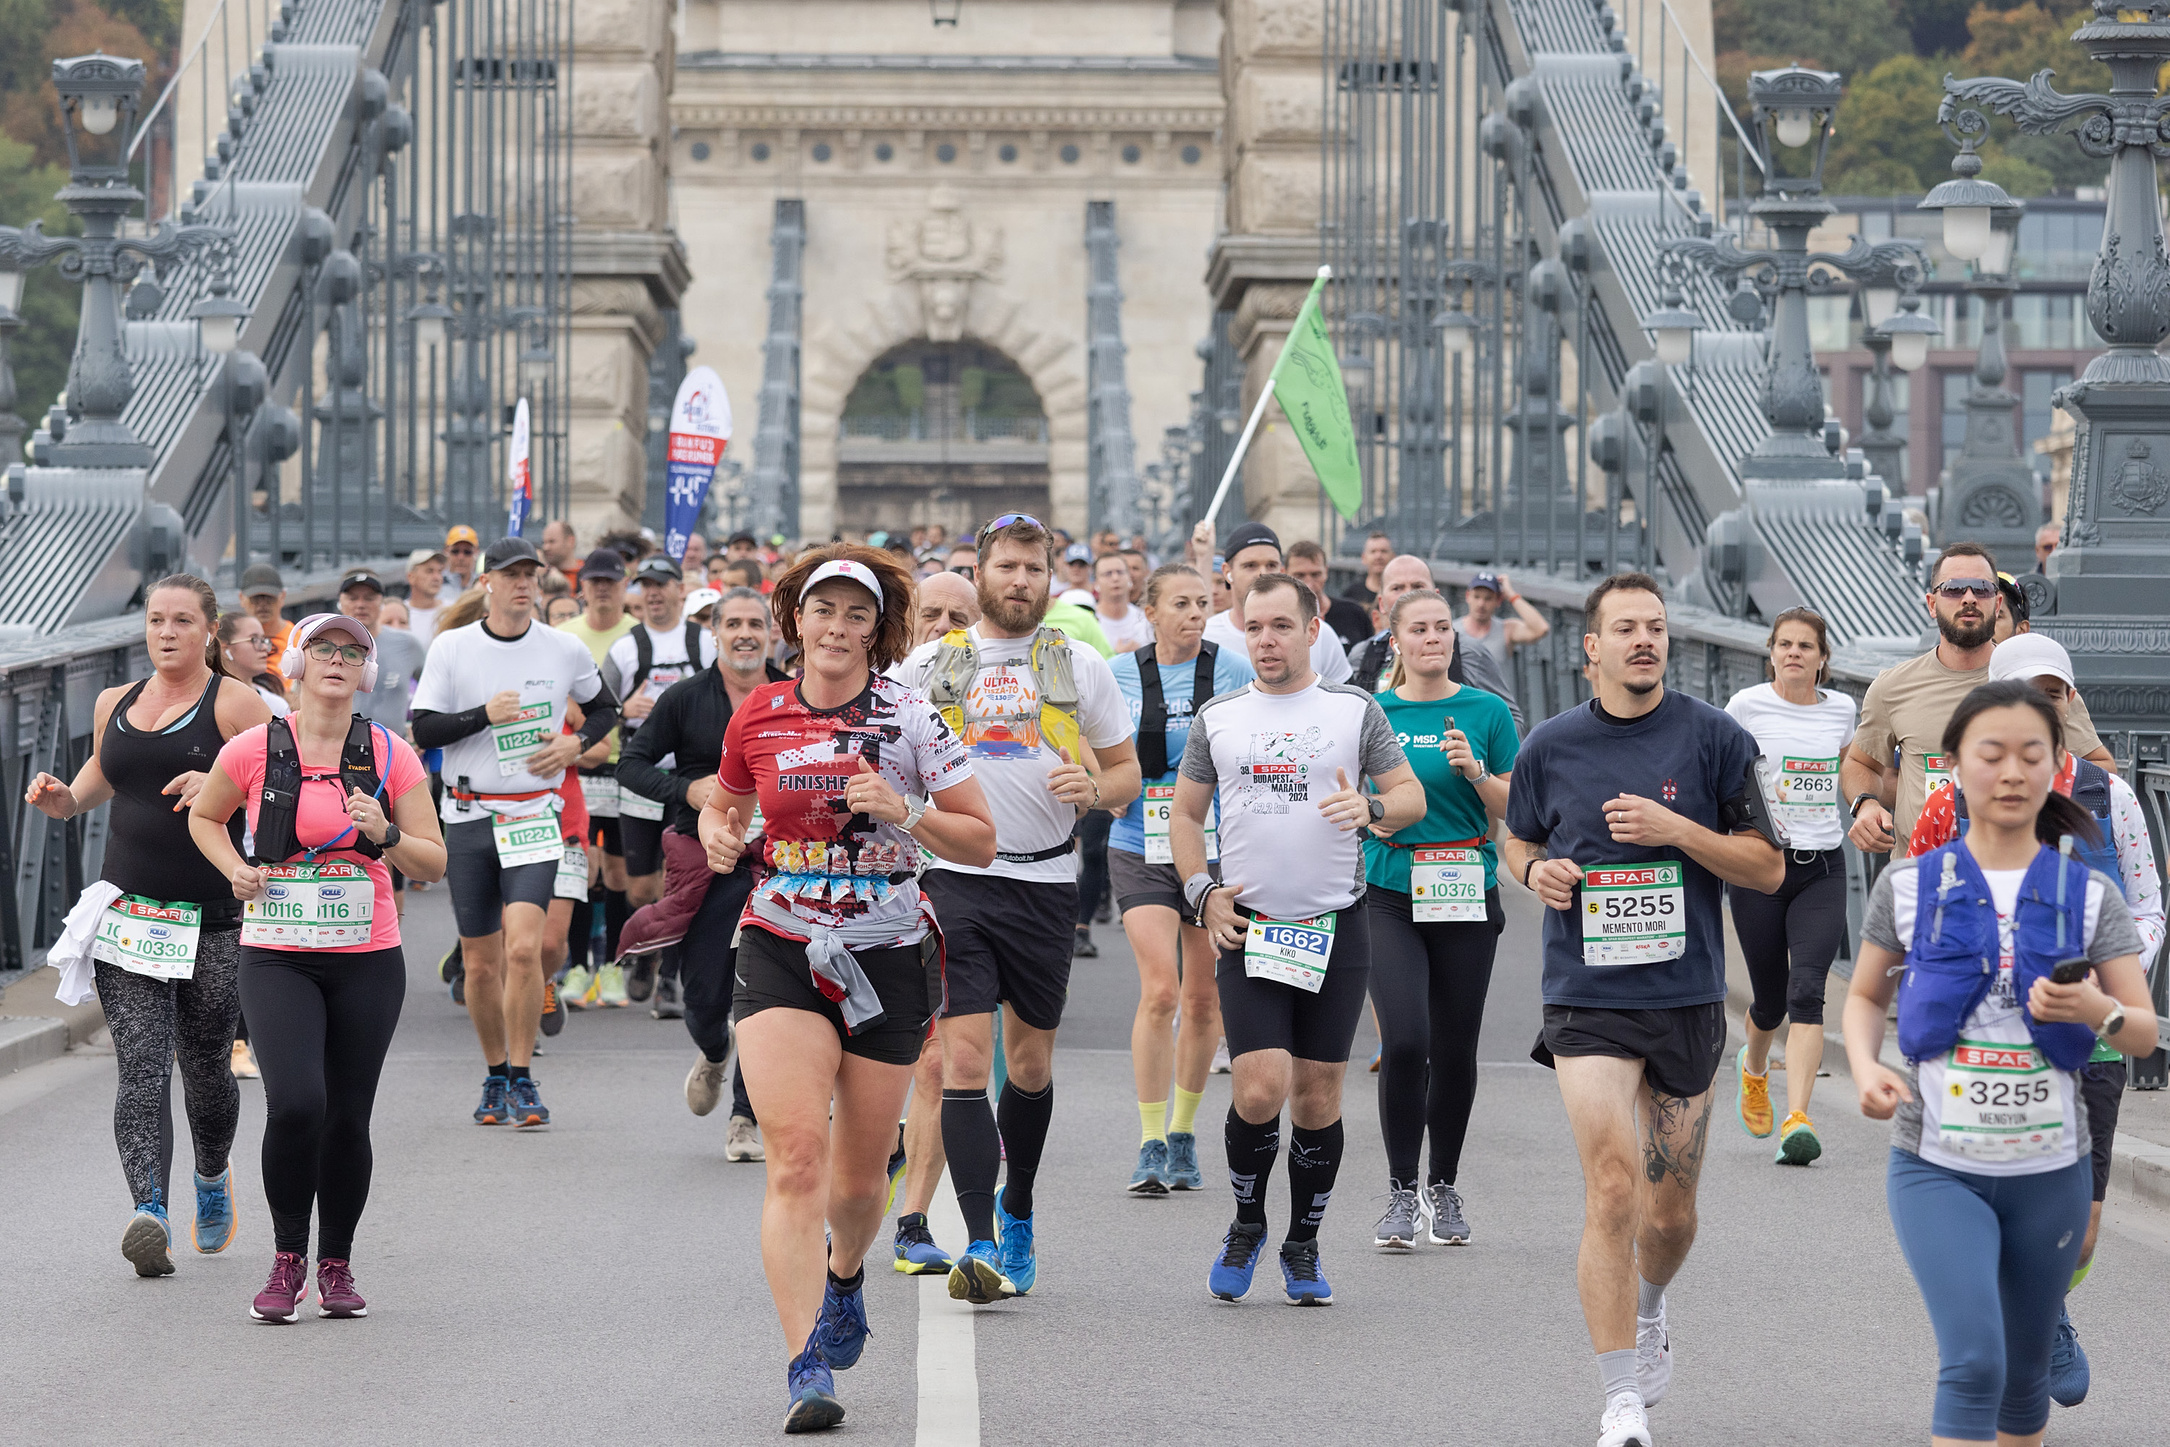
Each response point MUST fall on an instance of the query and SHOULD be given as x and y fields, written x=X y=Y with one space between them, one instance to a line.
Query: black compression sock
x=1021 y=1118
x=617 y=909
x=975 y=1156
x=516 y=1072
x=848 y=1284
x=500 y=1068
x=577 y=935
x=1314 y=1159
x=1252 y=1150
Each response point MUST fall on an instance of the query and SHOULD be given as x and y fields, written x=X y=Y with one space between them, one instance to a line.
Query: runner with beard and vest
x=1626 y=817
x=1049 y=738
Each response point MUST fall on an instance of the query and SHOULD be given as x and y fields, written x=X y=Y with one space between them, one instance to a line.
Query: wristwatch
x=1484 y=771
x=1856 y=809
x=1376 y=805
x=2112 y=1022
x=391 y=835
x=914 y=808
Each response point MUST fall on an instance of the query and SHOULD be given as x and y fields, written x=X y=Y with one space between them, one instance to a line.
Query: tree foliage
x=35 y=33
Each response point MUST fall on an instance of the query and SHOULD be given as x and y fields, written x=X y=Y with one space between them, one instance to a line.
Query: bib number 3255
x=1633 y=916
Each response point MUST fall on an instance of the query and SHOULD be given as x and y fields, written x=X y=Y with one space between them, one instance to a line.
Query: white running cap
x=858 y=573
x=2029 y=656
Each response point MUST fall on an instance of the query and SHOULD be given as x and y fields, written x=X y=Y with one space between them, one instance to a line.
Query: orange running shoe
x=1755 y=1098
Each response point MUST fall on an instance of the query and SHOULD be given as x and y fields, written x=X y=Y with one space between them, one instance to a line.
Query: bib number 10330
x=1633 y=916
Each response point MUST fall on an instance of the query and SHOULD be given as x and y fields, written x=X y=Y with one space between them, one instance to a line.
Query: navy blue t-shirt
x=1684 y=754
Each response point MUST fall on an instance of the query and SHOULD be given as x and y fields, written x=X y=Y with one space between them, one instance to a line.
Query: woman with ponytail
x=2009 y=959
x=168 y=929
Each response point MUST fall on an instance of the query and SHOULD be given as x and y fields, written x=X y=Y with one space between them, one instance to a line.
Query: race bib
x=532 y=727
x=1446 y=886
x=148 y=937
x=2001 y=1103
x=1807 y=790
x=536 y=840
x=600 y=793
x=1159 y=807
x=638 y=806
x=1935 y=770
x=327 y=905
x=1633 y=916
x=1292 y=951
x=572 y=880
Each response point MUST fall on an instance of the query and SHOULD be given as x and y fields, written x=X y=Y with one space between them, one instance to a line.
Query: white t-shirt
x=421 y=621
x=1009 y=758
x=1801 y=748
x=1328 y=659
x=1133 y=628
x=1270 y=758
x=670 y=664
x=465 y=669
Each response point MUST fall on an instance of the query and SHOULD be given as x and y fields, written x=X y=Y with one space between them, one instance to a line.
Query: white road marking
x=949 y=1385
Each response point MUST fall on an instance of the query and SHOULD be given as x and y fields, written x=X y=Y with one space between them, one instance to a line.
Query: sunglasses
x=1007 y=519
x=323 y=651
x=1965 y=588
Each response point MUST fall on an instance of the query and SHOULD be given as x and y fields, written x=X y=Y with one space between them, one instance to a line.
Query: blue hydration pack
x=2091 y=791
x=1952 y=962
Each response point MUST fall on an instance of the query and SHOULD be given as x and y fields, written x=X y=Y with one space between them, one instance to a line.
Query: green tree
x=1848 y=36
x=1888 y=143
x=41 y=350
x=2016 y=43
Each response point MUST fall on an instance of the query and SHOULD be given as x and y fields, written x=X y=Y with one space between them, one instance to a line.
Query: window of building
x=1190 y=155
x=1069 y=155
x=1827 y=329
x=884 y=151
x=760 y=150
x=700 y=150
x=1008 y=153
x=945 y=153
x=1131 y=155
x=822 y=151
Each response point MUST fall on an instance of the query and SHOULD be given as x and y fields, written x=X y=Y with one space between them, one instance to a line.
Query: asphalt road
x=601 y=1280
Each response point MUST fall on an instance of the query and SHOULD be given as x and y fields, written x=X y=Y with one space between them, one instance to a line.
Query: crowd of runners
x=850 y=811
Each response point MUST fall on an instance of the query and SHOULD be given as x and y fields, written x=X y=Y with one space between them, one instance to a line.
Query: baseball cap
x=261 y=580
x=742 y=537
x=2029 y=656
x=316 y=625
x=2015 y=599
x=361 y=578
x=604 y=564
x=462 y=533
x=506 y=551
x=1250 y=535
x=1485 y=580
x=1077 y=553
x=701 y=598
x=858 y=573
x=420 y=556
x=660 y=566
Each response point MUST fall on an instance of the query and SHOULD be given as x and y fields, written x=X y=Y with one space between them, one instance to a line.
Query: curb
x=2142 y=1168
x=31 y=999
x=27 y=1042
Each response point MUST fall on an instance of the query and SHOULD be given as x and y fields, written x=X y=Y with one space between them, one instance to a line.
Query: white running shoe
x=742 y=1141
x=1623 y=1423
x=1221 y=1065
x=1653 y=1356
x=704 y=1085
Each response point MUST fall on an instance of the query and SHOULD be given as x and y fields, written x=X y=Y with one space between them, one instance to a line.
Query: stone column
x=628 y=264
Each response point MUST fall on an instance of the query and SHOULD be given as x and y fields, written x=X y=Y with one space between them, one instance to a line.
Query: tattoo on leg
x=1662 y=1157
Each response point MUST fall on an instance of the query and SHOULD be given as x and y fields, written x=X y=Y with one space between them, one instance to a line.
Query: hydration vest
x=280 y=804
x=2091 y=791
x=1153 y=715
x=957 y=663
x=1953 y=959
x=644 y=655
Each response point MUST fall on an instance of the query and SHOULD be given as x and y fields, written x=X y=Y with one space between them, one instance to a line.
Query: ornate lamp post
x=1990 y=494
x=1896 y=335
x=12 y=426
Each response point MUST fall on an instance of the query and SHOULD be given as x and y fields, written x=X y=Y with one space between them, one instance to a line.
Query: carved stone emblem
x=943 y=253
x=1993 y=507
x=2140 y=486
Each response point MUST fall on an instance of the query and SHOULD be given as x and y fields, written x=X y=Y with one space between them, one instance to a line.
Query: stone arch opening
x=940 y=432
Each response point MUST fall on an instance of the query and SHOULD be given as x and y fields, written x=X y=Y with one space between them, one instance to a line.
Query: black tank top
x=148 y=848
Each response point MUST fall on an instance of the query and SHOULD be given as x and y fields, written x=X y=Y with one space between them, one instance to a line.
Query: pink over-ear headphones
x=304 y=632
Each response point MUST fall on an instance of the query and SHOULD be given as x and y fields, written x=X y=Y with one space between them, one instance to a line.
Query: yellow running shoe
x=610 y=995
x=1797 y=1143
x=1755 y=1098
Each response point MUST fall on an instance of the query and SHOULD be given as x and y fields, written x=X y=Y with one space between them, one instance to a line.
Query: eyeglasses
x=261 y=640
x=461 y=548
x=1966 y=588
x=323 y=651
x=966 y=570
x=1011 y=517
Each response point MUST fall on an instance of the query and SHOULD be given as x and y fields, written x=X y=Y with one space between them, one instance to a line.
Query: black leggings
x=1805 y=920
x=706 y=963
x=1428 y=982
x=1092 y=879
x=323 y=1024
x=155 y=1023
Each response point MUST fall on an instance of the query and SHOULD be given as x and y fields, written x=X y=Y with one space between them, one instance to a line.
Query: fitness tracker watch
x=1855 y=810
x=914 y=808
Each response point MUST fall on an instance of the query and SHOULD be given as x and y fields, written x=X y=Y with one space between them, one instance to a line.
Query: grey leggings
x=155 y=1023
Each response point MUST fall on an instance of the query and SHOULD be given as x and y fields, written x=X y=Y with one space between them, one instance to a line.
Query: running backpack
x=957 y=663
x=644 y=654
x=1153 y=713
x=281 y=801
x=2091 y=791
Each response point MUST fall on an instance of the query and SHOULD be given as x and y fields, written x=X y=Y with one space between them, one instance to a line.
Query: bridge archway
x=940 y=432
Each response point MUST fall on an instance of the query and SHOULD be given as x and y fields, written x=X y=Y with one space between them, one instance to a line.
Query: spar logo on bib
x=1992 y=1057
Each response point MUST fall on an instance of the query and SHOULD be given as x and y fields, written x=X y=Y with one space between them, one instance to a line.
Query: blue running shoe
x=2069 y=1375
x=148 y=1241
x=814 y=1407
x=1301 y=1277
x=1019 y=1263
x=1231 y=1276
x=214 y=1228
x=1183 y=1172
x=1151 y=1176
x=841 y=1330
x=917 y=1255
x=527 y=1107
x=977 y=1277
x=496 y=1107
x=896 y=1170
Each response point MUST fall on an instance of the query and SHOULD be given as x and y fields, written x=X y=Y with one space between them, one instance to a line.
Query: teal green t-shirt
x=1456 y=812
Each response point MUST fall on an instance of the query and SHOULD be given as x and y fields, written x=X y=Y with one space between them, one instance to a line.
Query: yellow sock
x=2080 y=1275
x=1186 y=1109
x=1153 y=1115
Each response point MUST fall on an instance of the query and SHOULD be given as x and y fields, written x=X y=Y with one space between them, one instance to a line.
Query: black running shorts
x=481 y=887
x=1680 y=1048
x=772 y=974
x=643 y=844
x=1008 y=943
x=1261 y=1014
x=2102 y=1086
x=1135 y=883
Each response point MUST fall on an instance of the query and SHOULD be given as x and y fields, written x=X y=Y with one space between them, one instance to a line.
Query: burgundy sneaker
x=335 y=1293
x=280 y=1300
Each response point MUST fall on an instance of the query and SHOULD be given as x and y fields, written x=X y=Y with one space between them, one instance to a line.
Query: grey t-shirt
x=399 y=663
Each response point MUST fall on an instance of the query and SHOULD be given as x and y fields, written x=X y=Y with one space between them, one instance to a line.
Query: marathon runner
x=2123 y=852
x=399 y=663
x=1031 y=707
x=1431 y=899
x=425 y=577
x=1165 y=683
x=1484 y=631
x=1789 y=939
x=839 y=966
x=1281 y=762
x=1626 y=815
x=699 y=911
x=1252 y=551
x=1989 y=1175
x=161 y=932
x=1348 y=622
x=1115 y=606
x=493 y=697
x=603 y=621
x=1372 y=661
x=332 y=800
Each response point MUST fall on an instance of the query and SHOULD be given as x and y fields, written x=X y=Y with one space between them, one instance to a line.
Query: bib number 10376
x=1446 y=886
x=1633 y=916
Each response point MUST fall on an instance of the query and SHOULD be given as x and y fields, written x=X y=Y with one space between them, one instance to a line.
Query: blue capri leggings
x=1993 y=1256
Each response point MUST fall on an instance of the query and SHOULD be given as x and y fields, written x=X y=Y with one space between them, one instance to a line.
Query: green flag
x=1307 y=382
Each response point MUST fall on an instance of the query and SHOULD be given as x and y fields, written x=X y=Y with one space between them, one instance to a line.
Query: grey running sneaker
x=704 y=1085
x=670 y=999
x=1653 y=1356
x=742 y=1142
x=1183 y=1172
x=1443 y=1211
x=1397 y=1230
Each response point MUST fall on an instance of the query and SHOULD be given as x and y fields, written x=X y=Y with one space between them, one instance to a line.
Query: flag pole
x=1243 y=443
